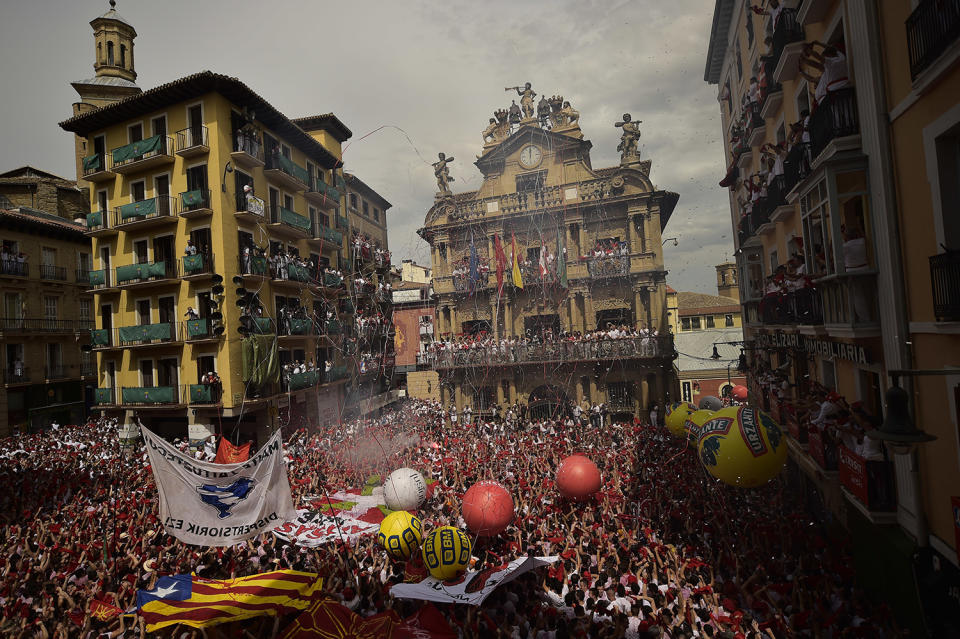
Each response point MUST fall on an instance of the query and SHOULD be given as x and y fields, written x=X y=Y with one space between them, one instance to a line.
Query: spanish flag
x=517 y=277
x=197 y=602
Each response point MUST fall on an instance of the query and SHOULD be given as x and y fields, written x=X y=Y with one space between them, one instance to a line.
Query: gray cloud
x=430 y=71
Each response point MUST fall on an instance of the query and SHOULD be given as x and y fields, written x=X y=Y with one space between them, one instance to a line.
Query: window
x=285 y=151
x=728 y=320
x=828 y=374
x=123 y=55
x=84 y=262
x=48 y=256
x=855 y=228
x=695 y=322
x=146 y=373
x=483 y=398
x=619 y=394
x=51 y=307
x=102 y=201
x=205 y=364
x=140 y=252
x=366 y=209
x=353 y=201
x=84 y=309
x=817 y=231
x=709 y=320
x=942 y=145
x=774 y=260
x=159 y=125
x=110 y=53
x=135 y=132
x=376 y=214
x=54 y=360
x=12 y=306
x=287 y=202
x=685 y=323
x=138 y=191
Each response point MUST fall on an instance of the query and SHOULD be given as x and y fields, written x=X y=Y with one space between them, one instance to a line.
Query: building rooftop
x=687 y=300
x=326 y=121
x=356 y=183
x=107 y=80
x=28 y=216
x=191 y=87
x=696 y=347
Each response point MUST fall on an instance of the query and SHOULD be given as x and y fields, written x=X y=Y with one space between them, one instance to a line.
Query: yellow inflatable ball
x=400 y=534
x=446 y=552
x=676 y=417
x=691 y=427
x=742 y=446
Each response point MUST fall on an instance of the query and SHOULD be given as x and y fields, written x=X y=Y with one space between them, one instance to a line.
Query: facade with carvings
x=578 y=248
x=841 y=123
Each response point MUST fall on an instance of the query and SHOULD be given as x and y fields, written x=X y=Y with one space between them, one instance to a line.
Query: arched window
x=123 y=55
x=110 y=53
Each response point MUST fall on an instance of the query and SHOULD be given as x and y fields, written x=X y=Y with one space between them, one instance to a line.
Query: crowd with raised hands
x=603 y=249
x=662 y=550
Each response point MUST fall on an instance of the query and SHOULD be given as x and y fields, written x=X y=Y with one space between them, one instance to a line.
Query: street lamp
x=898 y=432
x=668 y=239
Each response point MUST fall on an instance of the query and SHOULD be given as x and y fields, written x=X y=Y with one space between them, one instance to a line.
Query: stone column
x=639 y=312
x=644 y=393
x=657 y=298
x=594 y=392
x=508 y=315
x=454 y=326
x=583 y=238
x=590 y=319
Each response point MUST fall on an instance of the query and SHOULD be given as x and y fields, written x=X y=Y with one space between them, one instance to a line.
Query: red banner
x=853 y=474
x=815 y=438
x=227 y=453
x=103 y=611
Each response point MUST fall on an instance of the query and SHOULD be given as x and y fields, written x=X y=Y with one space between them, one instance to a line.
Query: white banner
x=314 y=528
x=471 y=588
x=209 y=504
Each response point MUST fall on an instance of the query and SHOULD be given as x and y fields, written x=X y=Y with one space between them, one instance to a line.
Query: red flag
x=227 y=453
x=501 y=263
x=329 y=619
x=103 y=611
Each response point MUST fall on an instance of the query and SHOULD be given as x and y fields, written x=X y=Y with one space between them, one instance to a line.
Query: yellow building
x=840 y=119
x=47 y=312
x=184 y=270
x=586 y=245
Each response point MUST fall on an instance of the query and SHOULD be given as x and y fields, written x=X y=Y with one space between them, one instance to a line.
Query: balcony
x=322 y=194
x=287 y=223
x=16 y=375
x=11 y=268
x=88 y=369
x=201 y=330
x=333 y=327
x=945 y=277
x=197 y=267
x=285 y=172
x=603 y=267
x=335 y=374
x=931 y=29
x=143 y=154
x=868 y=484
x=156 y=211
x=835 y=118
x=53 y=273
x=796 y=166
x=148 y=335
x=98 y=225
x=254 y=267
x=463 y=283
x=95 y=169
x=250 y=208
x=205 y=394
x=247 y=151
x=192 y=142
x=101 y=339
x=195 y=203
x=147 y=275
x=297 y=327
x=61 y=372
x=788 y=42
x=300 y=381
x=557 y=353
x=800 y=307
x=102 y=281
x=83 y=276
x=773 y=98
x=104 y=397
x=38 y=325
x=328 y=236
x=150 y=396
x=850 y=304
x=823 y=449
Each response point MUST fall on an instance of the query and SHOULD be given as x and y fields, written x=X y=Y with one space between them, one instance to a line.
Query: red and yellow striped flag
x=198 y=602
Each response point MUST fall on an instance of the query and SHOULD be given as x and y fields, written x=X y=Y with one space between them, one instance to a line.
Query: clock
x=530 y=156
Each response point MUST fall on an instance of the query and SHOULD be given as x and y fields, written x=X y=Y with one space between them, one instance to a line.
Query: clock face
x=530 y=156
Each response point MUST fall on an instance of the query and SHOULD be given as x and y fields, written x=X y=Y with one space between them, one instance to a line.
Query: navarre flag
x=209 y=504
x=227 y=453
x=103 y=611
x=329 y=619
x=501 y=263
x=198 y=602
x=517 y=277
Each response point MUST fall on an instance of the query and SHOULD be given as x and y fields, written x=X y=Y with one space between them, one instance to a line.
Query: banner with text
x=472 y=587
x=209 y=504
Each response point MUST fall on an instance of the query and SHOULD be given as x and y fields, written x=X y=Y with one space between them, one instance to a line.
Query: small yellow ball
x=676 y=417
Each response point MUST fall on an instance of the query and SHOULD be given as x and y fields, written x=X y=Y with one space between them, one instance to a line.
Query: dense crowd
x=662 y=551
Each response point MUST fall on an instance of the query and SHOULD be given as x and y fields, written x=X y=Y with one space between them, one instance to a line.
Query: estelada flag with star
x=103 y=611
x=198 y=602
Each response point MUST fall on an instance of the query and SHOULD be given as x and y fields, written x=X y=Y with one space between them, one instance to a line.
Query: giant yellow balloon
x=400 y=534
x=446 y=552
x=691 y=426
x=742 y=446
x=676 y=418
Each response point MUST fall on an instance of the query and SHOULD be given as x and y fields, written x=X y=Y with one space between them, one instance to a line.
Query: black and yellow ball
x=400 y=534
x=446 y=552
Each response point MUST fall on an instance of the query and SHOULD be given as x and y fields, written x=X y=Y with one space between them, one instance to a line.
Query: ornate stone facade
x=541 y=195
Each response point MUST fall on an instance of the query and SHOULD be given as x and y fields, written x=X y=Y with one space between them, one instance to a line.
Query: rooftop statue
x=442 y=173
x=526 y=99
x=629 y=139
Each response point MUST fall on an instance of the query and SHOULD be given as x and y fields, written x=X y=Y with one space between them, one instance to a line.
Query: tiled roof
x=43 y=219
x=687 y=299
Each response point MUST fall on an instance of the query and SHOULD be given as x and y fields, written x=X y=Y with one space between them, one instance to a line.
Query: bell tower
x=115 y=73
x=727 y=280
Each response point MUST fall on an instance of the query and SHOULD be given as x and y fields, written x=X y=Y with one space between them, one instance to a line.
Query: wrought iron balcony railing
x=52 y=272
x=932 y=27
x=835 y=117
x=945 y=278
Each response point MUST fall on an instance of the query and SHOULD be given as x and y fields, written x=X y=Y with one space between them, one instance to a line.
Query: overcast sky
x=430 y=72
